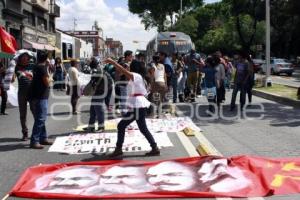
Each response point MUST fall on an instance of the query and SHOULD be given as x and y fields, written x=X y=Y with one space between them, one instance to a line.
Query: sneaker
x=100 y=129
x=46 y=142
x=4 y=113
x=36 y=146
x=153 y=152
x=25 y=137
x=89 y=129
x=116 y=153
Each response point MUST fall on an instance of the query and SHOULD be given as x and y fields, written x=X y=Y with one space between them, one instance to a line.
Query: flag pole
x=268 y=45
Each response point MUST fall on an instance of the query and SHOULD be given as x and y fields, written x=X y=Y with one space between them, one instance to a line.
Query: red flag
x=8 y=42
x=242 y=176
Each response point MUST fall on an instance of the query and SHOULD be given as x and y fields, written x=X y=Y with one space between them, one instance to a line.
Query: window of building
x=42 y=23
x=51 y=27
x=30 y=18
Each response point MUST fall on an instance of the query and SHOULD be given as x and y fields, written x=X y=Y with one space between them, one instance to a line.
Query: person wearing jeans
x=243 y=72
x=103 y=83
x=39 y=133
x=39 y=97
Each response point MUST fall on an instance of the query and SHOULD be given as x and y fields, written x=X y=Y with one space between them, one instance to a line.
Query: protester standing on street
x=7 y=79
x=241 y=79
x=103 y=83
x=137 y=103
x=59 y=74
x=3 y=93
x=165 y=60
x=121 y=81
x=40 y=93
x=174 y=78
x=193 y=62
x=210 y=83
x=220 y=76
x=228 y=73
x=251 y=80
x=158 y=84
x=182 y=79
x=222 y=90
x=74 y=85
x=110 y=69
x=24 y=76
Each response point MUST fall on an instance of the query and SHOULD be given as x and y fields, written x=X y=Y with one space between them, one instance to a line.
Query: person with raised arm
x=137 y=104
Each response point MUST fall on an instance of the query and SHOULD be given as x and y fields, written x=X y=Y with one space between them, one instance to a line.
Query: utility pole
x=268 y=45
x=180 y=18
x=74 y=24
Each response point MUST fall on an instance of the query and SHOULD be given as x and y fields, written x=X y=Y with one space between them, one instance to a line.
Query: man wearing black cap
x=24 y=76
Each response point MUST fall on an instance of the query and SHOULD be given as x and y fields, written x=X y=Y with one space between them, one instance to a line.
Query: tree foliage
x=228 y=25
x=160 y=13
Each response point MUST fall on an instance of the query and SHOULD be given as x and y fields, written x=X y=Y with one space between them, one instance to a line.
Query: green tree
x=187 y=25
x=155 y=13
x=248 y=11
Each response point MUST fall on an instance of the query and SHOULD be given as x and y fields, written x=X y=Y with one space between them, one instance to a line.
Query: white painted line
x=187 y=144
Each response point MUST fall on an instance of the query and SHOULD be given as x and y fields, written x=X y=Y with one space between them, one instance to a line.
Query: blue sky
x=112 y=16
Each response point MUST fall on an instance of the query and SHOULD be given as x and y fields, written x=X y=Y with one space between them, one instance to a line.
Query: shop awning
x=49 y=47
x=57 y=50
x=6 y=55
x=33 y=45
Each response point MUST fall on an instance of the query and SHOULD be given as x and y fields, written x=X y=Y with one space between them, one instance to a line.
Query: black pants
x=4 y=99
x=211 y=105
x=242 y=89
x=74 y=97
x=22 y=100
x=139 y=115
x=223 y=91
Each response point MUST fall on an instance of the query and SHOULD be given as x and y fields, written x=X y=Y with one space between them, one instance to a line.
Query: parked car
x=258 y=65
x=278 y=66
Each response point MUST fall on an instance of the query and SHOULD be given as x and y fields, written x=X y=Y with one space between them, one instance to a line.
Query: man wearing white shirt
x=74 y=84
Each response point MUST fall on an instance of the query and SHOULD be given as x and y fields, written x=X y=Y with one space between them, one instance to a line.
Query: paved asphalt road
x=286 y=80
x=275 y=135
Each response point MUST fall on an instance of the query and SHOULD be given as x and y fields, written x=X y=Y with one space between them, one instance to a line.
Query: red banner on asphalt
x=242 y=176
x=8 y=42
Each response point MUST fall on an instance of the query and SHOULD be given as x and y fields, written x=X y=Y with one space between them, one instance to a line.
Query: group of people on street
x=33 y=89
x=141 y=89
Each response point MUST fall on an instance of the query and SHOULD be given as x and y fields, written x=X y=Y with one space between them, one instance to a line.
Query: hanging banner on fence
x=106 y=142
x=241 y=176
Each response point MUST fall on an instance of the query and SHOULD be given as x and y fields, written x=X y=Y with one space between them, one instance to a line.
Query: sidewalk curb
x=276 y=98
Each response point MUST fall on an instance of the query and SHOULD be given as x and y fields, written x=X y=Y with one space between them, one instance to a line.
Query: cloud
x=121 y=11
x=116 y=22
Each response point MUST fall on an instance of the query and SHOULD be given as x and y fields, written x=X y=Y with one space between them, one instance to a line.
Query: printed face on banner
x=71 y=180
x=118 y=180
x=172 y=176
x=222 y=178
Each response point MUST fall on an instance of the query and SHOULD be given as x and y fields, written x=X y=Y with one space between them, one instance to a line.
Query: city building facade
x=31 y=22
x=94 y=37
x=114 y=48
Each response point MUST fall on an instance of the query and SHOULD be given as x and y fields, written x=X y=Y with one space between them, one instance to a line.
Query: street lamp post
x=268 y=45
x=180 y=11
